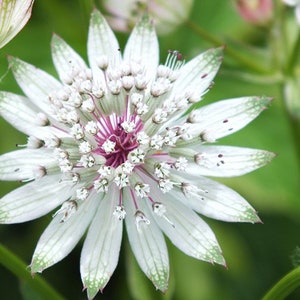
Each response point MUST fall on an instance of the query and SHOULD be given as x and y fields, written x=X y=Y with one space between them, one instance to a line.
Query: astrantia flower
x=168 y=14
x=14 y=14
x=112 y=142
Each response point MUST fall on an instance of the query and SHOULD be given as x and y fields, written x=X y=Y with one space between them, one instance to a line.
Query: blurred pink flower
x=255 y=11
x=14 y=14
x=167 y=14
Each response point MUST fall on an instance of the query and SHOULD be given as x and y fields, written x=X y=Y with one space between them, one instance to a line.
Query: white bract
x=112 y=142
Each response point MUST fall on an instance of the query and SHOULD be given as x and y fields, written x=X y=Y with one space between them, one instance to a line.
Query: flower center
x=117 y=137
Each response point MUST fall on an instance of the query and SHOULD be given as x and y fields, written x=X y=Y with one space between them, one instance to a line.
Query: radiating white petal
x=147 y=243
x=36 y=83
x=26 y=164
x=215 y=200
x=65 y=59
x=59 y=238
x=18 y=111
x=100 y=253
x=24 y=116
x=227 y=161
x=186 y=230
x=101 y=43
x=142 y=46
x=33 y=200
x=197 y=75
x=225 y=117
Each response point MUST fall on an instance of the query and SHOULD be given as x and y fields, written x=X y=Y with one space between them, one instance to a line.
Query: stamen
x=160 y=210
x=67 y=209
x=108 y=146
x=142 y=189
x=119 y=212
x=82 y=193
x=140 y=219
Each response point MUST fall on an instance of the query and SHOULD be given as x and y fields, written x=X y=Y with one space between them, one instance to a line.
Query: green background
x=256 y=255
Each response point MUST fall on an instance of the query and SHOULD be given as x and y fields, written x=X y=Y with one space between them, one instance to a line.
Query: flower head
x=111 y=142
x=168 y=14
x=14 y=14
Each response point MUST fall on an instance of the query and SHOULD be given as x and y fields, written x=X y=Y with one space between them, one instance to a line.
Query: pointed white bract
x=147 y=243
x=100 y=253
x=112 y=140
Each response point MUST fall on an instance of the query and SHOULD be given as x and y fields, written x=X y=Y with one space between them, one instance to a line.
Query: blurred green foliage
x=257 y=255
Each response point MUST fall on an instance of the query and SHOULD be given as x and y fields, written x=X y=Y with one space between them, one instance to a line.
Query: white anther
x=88 y=105
x=108 y=146
x=85 y=147
x=86 y=86
x=121 y=180
x=91 y=127
x=128 y=126
x=170 y=138
x=141 y=108
x=161 y=210
x=127 y=167
x=136 y=98
x=42 y=119
x=136 y=156
x=82 y=193
x=162 y=170
x=77 y=131
x=127 y=82
x=119 y=212
x=75 y=99
x=52 y=142
x=181 y=164
x=140 y=219
x=104 y=171
x=87 y=161
x=165 y=185
x=67 y=209
x=142 y=138
x=115 y=86
x=156 y=142
x=101 y=185
x=142 y=189
x=102 y=62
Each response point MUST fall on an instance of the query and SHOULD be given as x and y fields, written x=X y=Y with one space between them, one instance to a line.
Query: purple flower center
x=117 y=137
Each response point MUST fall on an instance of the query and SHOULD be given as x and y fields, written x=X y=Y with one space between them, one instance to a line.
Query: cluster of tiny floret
x=112 y=128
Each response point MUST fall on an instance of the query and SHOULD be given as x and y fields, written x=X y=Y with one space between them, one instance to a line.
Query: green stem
x=285 y=286
x=241 y=59
x=294 y=56
x=19 y=268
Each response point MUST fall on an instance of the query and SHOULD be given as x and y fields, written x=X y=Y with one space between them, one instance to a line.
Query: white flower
x=14 y=14
x=168 y=14
x=295 y=3
x=97 y=167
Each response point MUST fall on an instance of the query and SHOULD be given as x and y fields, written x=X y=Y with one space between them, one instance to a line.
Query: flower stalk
x=285 y=286
x=243 y=60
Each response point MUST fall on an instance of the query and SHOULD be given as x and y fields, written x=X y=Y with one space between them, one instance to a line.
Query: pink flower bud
x=255 y=11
